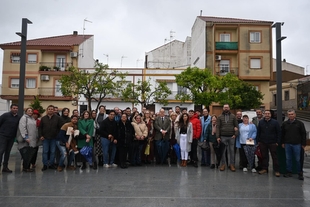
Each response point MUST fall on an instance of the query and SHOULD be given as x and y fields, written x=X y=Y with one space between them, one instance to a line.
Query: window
x=224 y=37
x=15 y=57
x=32 y=58
x=14 y=82
x=57 y=88
x=255 y=37
x=286 y=95
x=61 y=62
x=30 y=83
x=182 y=90
x=224 y=67
x=255 y=63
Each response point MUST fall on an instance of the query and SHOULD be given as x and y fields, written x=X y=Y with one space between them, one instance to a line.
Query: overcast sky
x=132 y=27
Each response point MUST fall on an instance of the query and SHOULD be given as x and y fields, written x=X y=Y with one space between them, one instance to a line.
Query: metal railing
x=50 y=91
x=54 y=66
x=225 y=70
x=226 y=45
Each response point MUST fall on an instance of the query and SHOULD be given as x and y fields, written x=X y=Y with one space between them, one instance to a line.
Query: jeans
x=229 y=143
x=136 y=150
x=293 y=150
x=63 y=155
x=5 y=148
x=109 y=150
x=49 y=147
x=193 y=151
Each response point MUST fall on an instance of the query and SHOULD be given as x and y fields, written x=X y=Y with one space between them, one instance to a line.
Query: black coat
x=125 y=133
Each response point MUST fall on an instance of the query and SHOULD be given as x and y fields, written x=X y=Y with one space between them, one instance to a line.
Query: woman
x=148 y=158
x=27 y=136
x=36 y=116
x=97 y=142
x=184 y=137
x=172 y=140
x=63 y=144
x=246 y=142
x=86 y=128
x=65 y=115
x=141 y=133
x=125 y=135
x=210 y=138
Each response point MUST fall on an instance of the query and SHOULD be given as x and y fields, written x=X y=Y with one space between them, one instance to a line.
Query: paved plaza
x=150 y=185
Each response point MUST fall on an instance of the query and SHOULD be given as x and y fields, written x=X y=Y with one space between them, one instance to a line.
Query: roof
x=63 y=40
x=231 y=20
x=173 y=41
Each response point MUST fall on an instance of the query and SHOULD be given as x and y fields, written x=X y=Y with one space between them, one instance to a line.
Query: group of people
x=128 y=137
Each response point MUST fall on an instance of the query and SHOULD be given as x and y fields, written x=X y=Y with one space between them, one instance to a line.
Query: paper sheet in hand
x=248 y=142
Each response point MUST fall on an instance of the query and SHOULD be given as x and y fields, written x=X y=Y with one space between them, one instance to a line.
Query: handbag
x=147 y=148
x=204 y=145
x=87 y=152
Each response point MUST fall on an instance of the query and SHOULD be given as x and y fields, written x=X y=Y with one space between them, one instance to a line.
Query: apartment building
x=47 y=59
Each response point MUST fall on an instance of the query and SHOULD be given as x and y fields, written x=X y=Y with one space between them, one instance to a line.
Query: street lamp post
x=107 y=58
x=278 y=25
x=22 y=71
x=122 y=60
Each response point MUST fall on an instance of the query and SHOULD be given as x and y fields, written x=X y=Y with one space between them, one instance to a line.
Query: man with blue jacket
x=269 y=137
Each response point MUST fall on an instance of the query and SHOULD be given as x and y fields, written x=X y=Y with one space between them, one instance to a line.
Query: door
x=57 y=88
x=61 y=62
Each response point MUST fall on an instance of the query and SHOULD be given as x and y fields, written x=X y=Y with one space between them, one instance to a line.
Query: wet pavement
x=149 y=185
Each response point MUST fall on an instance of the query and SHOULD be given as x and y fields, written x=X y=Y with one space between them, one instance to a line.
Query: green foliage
x=94 y=86
x=36 y=105
x=144 y=94
x=206 y=88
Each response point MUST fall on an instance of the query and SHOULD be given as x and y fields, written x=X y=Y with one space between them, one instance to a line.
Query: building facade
x=46 y=60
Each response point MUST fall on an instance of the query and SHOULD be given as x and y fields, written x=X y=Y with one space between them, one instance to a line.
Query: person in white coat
x=184 y=137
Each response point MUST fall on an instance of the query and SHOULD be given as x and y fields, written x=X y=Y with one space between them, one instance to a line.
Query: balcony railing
x=50 y=91
x=225 y=70
x=54 y=66
x=226 y=45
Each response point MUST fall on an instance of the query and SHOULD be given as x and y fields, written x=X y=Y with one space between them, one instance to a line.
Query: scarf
x=213 y=129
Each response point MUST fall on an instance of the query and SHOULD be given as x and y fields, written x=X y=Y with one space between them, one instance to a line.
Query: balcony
x=226 y=45
x=224 y=70
x=54 y=66
x=52 y=93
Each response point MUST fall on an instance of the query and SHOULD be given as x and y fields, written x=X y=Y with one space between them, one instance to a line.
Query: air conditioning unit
x=218 y=57
x=73 y=54
x=45 y=77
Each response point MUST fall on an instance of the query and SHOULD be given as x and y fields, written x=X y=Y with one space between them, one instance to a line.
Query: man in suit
x=162 y=127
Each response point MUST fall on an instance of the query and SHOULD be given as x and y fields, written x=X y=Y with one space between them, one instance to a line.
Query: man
x=198 y=113
x=128 y=113
x=48 y=131
x=239 y=116
x=143 y=111
x=101 y=115
x=226 y=133
x=108 y=134
x=268 y=138
x=205 y=121
x=75 y=112
x=196 y=136
x=8 y=128
x=162 y=125
x=258 y=117
x=293 y=140
x=118 y=114
x=177 y=110
x=56 y=111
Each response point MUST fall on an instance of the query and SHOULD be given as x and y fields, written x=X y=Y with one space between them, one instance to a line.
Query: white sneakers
x=253 y=170
x=245 y=169
x=107 y=166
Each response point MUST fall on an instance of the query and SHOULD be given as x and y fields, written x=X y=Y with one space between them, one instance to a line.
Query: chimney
x=75 y=33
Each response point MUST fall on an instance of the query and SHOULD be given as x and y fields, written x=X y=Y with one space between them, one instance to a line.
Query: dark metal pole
x=22 y=71
x=279 y=70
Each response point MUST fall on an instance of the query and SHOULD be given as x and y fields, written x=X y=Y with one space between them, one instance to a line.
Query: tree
x=143 y=93
x=36 y=104
x=206 y=88
x=94 y=86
